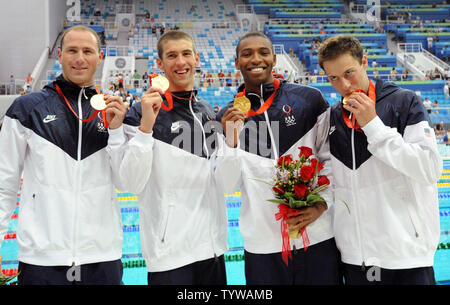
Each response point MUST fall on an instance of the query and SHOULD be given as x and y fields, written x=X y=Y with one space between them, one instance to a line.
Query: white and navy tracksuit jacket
x=387 y=175
x=299 y=116
x=69 y=211
x=182 y=213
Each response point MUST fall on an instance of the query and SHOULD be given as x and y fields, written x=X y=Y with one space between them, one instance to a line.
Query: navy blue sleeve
x=222 y=111
x=134 y=114
x=417 y=112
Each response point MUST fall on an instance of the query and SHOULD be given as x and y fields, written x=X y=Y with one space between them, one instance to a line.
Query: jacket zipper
x=266 y=117
x=354 y=198
x=272 y=139
x=210 y=226
x=163 y=237
x=416 y=234
x=196 y=119
x=78 y=176
x=207 y=157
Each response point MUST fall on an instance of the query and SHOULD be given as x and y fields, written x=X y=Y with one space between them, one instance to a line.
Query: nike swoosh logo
x=332 y=129
x=48 y=120
x=175 y=127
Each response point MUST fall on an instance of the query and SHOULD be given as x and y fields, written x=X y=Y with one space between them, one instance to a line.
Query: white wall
x=56 y=17
x=5 y=102
x=28 y=27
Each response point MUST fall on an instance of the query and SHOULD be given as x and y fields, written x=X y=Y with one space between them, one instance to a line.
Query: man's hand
x=232 y=123
x=151 y=103
x=115 y=110
x=362 y=107
x=306 y=216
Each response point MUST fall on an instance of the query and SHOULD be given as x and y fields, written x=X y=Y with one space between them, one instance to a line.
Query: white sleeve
x=227 y=166
x=131 y=159
x=115 y=150
x=13 y=145
x=415 y=154
x=323 y=153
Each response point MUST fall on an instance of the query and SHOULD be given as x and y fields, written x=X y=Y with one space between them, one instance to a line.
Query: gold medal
x=98 y=102
x=160 y=82
x=344 y=100
x=242 y=103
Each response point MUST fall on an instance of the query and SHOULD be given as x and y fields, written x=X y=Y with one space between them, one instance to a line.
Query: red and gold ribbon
x=283 y=211
x=267 y=103
x=103 y=118
x=352 y=123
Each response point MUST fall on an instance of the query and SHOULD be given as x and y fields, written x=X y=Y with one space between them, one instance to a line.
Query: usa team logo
x=289 y=119
x=101 y=127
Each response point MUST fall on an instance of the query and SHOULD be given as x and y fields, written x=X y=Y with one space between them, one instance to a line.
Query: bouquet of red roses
x=297 y=185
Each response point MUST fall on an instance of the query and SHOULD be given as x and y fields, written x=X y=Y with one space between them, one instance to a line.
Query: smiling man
x=167 y=161
x=178 y=59
x=80 y=55
x=282 y=118
x=386 y=165
x=69 y=229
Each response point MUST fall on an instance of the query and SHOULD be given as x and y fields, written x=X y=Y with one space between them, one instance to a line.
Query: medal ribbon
x=267 y=103
x=352 y=123
x=169 y=99
x=169 y=96
x=286 y=253
x=105 y=122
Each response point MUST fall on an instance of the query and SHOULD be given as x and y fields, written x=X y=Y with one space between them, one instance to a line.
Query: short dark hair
x=80 y=28
x=253 y=34
x=335 y=46
x=173 y=35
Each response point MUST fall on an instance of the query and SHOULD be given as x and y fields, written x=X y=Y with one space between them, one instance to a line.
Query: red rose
x=305 y=151
x=315 y=162
x=278 y=190
x=323 y=180
x=287 y=159
x=307 y=172
x=301 y=190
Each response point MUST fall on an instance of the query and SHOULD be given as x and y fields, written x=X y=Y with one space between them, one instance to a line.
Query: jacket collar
x=267 y=90
x=182 y=97
x=383 y=89
x=70 y=89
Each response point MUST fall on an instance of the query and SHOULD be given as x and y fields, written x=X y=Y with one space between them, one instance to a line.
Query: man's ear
x=100 y=56
x=159 y=63
x=364 y=61
x=197 y=59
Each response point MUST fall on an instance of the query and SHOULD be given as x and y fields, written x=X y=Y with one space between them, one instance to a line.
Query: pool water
x=135 y=272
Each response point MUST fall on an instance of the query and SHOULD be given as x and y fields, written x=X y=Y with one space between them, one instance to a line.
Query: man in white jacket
x=69 y=229
x=385 y=166
x=163 y=154
x=283 y=117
